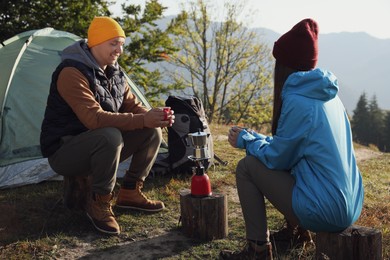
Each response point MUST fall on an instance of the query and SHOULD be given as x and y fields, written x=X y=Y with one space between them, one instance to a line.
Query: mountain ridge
x=361 y=63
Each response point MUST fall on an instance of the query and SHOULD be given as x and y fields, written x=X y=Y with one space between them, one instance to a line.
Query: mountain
x=360 y=62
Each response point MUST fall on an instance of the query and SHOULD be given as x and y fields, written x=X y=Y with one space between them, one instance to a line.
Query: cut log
x=204 y=218
x=355 y=243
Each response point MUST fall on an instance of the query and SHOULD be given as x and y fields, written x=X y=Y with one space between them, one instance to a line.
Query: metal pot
x=199 y=139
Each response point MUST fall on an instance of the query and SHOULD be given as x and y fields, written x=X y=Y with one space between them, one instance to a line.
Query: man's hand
x=157 y=117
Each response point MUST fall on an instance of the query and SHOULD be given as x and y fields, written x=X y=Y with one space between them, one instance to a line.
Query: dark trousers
x=255 y=182
x=98 y=153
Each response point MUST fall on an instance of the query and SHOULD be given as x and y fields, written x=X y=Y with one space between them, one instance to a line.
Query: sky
x=333 y=16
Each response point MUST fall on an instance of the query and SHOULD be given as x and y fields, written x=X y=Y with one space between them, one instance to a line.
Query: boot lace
x=106 y=207
x=139 y=187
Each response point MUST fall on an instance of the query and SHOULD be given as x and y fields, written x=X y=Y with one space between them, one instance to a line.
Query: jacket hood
x=79 y=51
x=317 y=84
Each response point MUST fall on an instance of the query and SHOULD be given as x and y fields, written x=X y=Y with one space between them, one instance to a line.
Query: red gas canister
x=200 y=183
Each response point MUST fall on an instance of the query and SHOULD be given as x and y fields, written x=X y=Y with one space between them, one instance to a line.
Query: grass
x=35 y=225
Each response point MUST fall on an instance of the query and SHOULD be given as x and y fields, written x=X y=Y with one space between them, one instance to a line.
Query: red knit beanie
x=298 y=48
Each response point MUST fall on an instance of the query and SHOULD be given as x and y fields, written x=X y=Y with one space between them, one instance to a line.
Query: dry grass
x=376 y=177
x=35 y=225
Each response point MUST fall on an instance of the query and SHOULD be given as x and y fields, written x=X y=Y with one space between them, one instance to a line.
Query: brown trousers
x=255 y=182
x=99 y=152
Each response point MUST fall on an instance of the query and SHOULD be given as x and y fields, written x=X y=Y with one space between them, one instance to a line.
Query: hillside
x=360 y=62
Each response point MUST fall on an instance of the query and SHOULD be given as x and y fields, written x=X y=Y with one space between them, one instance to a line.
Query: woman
x=307 y=169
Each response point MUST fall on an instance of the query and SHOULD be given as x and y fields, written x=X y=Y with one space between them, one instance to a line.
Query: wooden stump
x=355 y=243
x=204 y=218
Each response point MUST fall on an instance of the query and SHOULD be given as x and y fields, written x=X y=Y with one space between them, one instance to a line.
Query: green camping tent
x=27 y=62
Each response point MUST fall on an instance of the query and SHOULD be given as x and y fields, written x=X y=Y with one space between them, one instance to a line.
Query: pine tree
x=376 y=124
x=361 y=121
x=386 y=132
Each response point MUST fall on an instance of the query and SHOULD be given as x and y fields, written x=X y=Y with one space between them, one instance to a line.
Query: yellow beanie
x=102 y=29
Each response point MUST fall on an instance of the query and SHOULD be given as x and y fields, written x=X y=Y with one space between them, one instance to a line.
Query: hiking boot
x=303 y=236
x=295 y=235
x=76 y=189
x=99 y=211
x=250 y=251
x=285 y=234
x=135 y=199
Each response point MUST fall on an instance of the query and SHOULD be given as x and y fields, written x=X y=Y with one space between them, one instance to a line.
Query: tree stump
x=355 y=243
x=204 y=218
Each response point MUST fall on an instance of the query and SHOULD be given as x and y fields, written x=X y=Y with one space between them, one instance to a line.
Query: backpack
x=189 y=118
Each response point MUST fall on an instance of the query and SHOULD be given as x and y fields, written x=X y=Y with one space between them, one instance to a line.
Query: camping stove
x=200 y=182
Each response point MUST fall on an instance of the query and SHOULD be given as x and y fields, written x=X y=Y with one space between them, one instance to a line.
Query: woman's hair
x=281 y=73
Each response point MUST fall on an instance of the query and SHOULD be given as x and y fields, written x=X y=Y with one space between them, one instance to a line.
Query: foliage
x=148 y=44
x=222 y=63
x=228 y=67
x=386 y=131
x=359 y=121
x=375 y=123
x=17 y=16
x=368 y=123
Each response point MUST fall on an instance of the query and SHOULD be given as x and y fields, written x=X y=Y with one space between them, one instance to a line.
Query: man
x=93 y=122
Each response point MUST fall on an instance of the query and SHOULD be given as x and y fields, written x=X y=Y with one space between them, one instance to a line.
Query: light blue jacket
x=314 y=141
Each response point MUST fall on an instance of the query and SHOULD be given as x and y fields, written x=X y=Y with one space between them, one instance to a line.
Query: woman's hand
x=234 y=132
